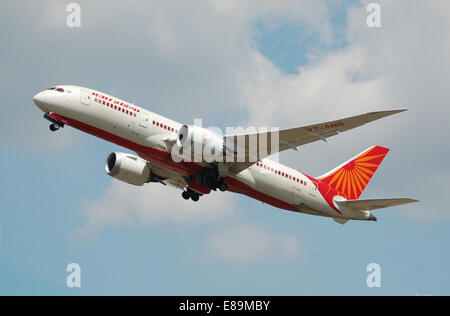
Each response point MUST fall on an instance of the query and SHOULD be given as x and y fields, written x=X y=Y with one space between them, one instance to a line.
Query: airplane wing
x=295 y=137
x=367 y=205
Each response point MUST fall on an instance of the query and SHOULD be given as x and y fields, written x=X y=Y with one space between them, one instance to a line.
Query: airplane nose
x=41 y=101
x=38 y=98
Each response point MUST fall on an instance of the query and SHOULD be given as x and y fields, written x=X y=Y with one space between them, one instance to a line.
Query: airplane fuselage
x=144 y=132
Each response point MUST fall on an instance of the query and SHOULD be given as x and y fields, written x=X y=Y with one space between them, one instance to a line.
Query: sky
x=231 y=63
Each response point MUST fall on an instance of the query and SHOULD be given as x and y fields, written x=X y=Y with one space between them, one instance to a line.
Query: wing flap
x=341 y=221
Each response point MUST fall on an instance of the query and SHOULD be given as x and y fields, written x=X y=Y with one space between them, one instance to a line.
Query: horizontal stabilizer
x=367 y=205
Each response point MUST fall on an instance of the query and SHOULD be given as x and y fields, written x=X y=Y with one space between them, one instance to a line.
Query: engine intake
x=128 y=168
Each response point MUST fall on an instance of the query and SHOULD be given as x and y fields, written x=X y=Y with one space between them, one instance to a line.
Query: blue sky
x=288 y=44
x=287 y=63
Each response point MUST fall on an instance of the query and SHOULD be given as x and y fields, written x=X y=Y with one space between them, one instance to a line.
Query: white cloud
x=248 y=243
x=323 y=91
x=433 y=206
x=126 y=205
x=402 y=64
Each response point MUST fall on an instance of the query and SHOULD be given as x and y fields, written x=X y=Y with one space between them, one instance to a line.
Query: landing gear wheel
x=223 y=186
x=186 y=195
x=54 y=127
x=191 y=194
x=195 y=197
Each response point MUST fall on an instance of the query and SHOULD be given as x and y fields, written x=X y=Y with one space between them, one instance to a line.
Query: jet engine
x=203 y=144
x=128 y=168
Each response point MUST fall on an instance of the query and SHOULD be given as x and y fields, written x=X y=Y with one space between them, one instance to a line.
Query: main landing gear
x=190 y=194
x=55 y=123
x=208 y=177
x=222 y=186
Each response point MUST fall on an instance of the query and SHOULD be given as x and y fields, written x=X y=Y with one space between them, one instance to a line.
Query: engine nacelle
x=128 y=168
x=201 y=143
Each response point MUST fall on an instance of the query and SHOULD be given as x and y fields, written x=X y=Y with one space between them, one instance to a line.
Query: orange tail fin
x=350 y=178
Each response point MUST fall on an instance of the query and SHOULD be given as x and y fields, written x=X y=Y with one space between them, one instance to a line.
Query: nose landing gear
x=55 y=123
x=54 y=127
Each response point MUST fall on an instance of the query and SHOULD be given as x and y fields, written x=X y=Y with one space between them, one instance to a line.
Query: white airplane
x=152 y=137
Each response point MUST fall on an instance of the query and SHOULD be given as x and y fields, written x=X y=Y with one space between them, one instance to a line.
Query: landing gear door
x=85 y=97
x=143 y=120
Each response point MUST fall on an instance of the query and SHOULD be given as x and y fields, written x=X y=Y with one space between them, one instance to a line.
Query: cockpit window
x=56 y=89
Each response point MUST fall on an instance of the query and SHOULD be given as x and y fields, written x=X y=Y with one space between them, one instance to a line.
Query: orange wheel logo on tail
x=351 y=179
